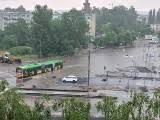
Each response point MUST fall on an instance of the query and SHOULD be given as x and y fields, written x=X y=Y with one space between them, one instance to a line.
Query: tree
x=119 y=16
x=42 y=17
x=153 y=17
x=114 y=36
x=69 y=33
x=158 y=17
x=108 y=108
x=123 y=22
x=13 y=107
x=20 y=30
x=126 y=37
x=21 y=9
x=150 y=17
x=75 y=109
x=76 y=27
x=8 y=41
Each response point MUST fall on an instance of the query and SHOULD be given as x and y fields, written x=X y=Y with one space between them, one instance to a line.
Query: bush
x=21 y=50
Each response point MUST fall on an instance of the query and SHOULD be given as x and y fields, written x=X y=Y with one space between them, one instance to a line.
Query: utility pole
x=40 y=48
x=89 y=57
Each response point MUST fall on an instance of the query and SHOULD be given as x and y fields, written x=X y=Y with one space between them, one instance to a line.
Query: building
x=155 y=27
x=142 y=16
x=90 y=18
x=57 y=14
x=8 y=17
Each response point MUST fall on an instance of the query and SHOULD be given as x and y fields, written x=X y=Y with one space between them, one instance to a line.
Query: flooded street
x=112 y=58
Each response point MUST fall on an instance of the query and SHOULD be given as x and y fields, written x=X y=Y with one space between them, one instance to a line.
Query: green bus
x=38 y=68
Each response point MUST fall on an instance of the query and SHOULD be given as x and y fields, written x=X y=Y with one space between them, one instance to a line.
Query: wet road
x=112 y=58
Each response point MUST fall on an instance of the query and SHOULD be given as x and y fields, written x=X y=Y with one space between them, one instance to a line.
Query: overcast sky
x=142 y=5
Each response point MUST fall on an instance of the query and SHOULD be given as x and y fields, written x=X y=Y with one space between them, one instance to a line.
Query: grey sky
x=143 y=5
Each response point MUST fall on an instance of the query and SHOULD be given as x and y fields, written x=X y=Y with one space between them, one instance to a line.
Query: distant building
x=142 y=17
x=155 y=27
x=8 y=17
x=57 y=14
x=90 y=18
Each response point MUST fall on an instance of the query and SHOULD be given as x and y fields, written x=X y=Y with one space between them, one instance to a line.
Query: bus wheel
x=43 y=70
x=61 y=66
x=35 y=72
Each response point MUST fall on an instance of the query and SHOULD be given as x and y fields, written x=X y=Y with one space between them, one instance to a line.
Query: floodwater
x=111 y=58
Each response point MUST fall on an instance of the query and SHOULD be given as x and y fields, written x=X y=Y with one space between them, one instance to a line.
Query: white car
x=70 y=78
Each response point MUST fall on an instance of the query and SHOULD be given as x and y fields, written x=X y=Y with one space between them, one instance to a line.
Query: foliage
x=140 y=107
x=69 y=33
x=119 y=16
x=19 y=9
x=75 y=109
x=7 y=41
x=45 y=34
x=114 y=37
x=21 y=32
x=118 y=26
x=154 y=17
x=60 y=36
x=150 y=17
x=21 y=50
x=3 y=85
x=42 y=17
x=108 y=108
x=13 y=107
x=158 y=17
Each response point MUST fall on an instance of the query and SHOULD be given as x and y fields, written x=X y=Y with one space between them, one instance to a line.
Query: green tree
x=75 y=109
x=126 y=37
x=8 y=41
x=20 y=30
x=108 y=108
x=68 y=33
x=13 y=107
x=154 y=16
x=158 y=17
x=119 y=16
x=150 y=17
x=75 y=26
x=42 y=17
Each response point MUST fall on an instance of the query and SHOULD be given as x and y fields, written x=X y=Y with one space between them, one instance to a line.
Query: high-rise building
x=8 y=17
x=90 y=18
x=87 y=7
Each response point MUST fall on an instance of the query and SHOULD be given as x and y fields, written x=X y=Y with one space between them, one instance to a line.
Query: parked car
x=70 y=78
